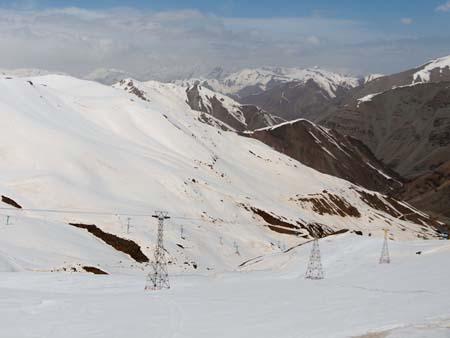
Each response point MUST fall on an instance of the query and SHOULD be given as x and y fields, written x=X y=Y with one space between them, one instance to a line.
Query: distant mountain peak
x=255 y=80
x=437 y=65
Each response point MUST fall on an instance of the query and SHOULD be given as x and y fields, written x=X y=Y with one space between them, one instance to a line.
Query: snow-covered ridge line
x=367 y=98
x=283 y=124
x=263 y=77
x=372 y=77
x=423 y=75
x=27 y=72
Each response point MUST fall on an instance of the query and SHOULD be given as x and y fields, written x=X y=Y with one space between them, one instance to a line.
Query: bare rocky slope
x=294 y=100
x=430 y=191
x=407 y=128
x=404 y=119
x=331 y=153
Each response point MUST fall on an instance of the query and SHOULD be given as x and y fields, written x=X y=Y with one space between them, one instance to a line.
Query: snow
x=328 y=152
x=25 y=72
x=286 y=123
x=107 y=75
x=372 y=77
x=269 y=299
x=379 y=171
x=98 y=155
x=232 y=106
x=262 y=77
x=155 y=88
x=79 y=151
x=326 y=132
x=366 y=98
x=423 y=75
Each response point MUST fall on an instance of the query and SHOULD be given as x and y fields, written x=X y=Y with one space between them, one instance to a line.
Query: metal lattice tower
x=385 y=258
x=314 y=270
x=236 y=248
x=158 y=279
x=128 y=225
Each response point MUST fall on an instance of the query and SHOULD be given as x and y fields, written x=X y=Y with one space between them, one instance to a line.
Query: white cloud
x=406 y=21
x=313 y=40
x=444 y=7
x=165 y=45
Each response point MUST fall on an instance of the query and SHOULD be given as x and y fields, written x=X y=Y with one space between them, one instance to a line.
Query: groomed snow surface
x=358 y=298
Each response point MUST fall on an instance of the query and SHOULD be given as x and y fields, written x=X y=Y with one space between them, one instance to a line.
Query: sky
x=176 y=39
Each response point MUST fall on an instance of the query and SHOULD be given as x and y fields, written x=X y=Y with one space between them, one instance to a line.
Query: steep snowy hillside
x=99 y=158
x=236 y=116
x=254 y=81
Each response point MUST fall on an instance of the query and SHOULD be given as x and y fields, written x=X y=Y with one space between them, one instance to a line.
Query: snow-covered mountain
x=222 y=108
x=371 y=77
x=433 y=70
x=107 y=76
x=99 y=158
x=437 y=70
x=26 y=72
x=254 y=81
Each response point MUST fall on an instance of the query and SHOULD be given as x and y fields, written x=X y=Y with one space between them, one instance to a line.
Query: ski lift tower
x=385 y=258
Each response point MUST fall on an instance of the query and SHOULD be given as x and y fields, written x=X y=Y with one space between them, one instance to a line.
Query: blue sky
x=358 y=36
x=350 y=9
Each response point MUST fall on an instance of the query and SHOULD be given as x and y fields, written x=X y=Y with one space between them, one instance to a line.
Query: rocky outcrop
x=129 y=86
x=239 y=117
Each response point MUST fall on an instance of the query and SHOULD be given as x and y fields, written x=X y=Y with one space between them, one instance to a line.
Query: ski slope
x=358 y=298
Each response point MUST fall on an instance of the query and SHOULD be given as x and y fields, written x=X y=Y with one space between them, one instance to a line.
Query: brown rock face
x=407 y=128
x=430 y=192
x=11 y=202
x=293 y=100
x=331 y=153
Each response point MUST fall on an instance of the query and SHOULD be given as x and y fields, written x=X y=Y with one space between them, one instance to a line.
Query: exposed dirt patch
x=327 y=203
x=318 y=230
x=276 y=224
x=11 y=202
x=282 y=226
x=124 y=245
x=396 y=209
x=94 y=270
x=375 y=202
